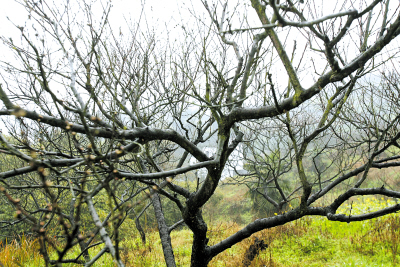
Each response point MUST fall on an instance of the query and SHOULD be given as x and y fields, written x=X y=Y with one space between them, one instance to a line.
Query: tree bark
x=200 y=254
x=163 y=231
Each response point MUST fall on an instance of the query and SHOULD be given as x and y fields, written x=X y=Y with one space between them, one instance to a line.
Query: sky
x=165 y=17
x=158 y=13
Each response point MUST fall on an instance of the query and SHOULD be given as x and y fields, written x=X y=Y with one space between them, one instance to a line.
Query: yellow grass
x=17 y=253
x=306 y=242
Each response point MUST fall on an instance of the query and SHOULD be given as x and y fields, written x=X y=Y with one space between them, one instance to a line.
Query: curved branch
x=241 y=114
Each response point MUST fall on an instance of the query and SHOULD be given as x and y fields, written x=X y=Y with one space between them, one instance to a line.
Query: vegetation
x=109 y=129
x=310 y=241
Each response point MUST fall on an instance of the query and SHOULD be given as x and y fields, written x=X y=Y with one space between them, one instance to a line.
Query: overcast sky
x=167 y=17
x=157 y=13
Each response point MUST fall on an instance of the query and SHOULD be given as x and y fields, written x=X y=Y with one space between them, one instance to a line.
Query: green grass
x=325 y=243
x=311 y=241
x=320 y=246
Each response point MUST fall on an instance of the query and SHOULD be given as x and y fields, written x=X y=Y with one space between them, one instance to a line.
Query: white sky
x=158 y=13
x=166 y=17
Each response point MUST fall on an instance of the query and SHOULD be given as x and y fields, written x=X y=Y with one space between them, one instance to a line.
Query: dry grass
x=235 y=255
x=136 y=254
x=16 y=253
x=306 y=242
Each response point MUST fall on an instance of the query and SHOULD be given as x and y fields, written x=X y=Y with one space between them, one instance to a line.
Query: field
x=308 y=242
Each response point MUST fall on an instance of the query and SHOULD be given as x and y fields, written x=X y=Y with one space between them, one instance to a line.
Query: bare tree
x=96 y=116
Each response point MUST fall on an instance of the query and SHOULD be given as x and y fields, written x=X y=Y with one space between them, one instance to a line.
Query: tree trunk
x=200 y=254
x=200 y=257
x=163 y=231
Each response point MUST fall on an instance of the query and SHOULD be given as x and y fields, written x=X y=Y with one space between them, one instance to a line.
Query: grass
x=311 y=241
x=25 y=252
x=18 y=253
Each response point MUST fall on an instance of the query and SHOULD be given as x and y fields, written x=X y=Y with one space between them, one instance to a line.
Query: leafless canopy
x=295 y=94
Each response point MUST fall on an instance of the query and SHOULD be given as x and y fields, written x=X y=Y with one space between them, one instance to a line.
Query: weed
x=311 y=241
